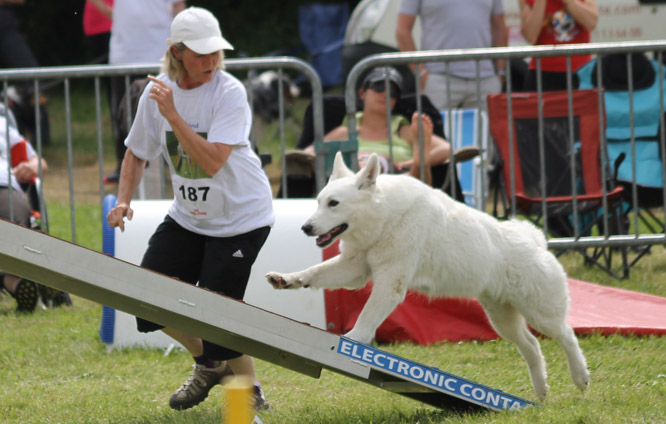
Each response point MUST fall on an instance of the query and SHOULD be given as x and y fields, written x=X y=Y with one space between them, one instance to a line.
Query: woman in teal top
x=372 y=127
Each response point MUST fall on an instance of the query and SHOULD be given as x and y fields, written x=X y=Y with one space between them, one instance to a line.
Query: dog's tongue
x=323 y=238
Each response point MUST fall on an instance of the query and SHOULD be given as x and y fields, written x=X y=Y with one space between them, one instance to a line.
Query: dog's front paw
x=360 y=336
x=280 y=281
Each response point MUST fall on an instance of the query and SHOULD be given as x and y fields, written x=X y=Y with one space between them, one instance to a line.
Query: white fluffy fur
x=405 y=235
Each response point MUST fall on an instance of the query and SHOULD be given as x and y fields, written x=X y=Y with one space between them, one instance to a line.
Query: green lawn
x=54 y=369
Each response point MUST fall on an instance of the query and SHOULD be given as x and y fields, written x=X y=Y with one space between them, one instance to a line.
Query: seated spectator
x=372 y=129
x=24 y=170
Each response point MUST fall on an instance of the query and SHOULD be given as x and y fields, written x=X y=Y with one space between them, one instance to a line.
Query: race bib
x=196 y=194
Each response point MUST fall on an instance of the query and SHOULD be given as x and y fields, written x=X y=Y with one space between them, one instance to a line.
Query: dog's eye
x=332 y=203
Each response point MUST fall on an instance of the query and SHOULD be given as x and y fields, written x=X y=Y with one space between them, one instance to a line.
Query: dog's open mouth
x=326 y=239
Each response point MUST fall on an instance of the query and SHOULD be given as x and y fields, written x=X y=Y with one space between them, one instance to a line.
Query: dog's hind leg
x=511 y=326
x=557 y=329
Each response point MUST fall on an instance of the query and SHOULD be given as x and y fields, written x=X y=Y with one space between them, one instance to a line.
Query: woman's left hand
x=163 y=95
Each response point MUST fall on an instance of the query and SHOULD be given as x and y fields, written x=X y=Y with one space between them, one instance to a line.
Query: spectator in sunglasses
x=373 y=128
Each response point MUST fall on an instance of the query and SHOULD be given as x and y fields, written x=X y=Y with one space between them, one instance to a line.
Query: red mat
x=594 y=308
x=609 y=310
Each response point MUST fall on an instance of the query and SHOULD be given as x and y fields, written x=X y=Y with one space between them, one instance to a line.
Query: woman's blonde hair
x=174 y=68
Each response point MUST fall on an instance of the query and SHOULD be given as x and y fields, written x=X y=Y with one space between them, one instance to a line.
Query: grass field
x=54 y=369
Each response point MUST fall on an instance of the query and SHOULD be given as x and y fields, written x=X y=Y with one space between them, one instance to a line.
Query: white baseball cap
x=199 y=30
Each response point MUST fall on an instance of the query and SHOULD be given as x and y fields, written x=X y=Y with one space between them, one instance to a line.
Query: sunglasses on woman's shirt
x=380 y=86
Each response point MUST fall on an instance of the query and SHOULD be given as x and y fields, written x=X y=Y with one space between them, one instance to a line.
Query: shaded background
x=255 y=27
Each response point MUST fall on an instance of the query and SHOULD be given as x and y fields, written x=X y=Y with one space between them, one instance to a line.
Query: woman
x=372 y=128
x=556 y=22
x=197 y=117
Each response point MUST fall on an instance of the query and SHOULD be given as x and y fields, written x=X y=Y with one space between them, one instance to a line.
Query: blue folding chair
x=649 y=176
x=464 y=129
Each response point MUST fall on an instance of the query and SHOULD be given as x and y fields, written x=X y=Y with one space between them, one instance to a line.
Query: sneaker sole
x=27 y=296
x=184 y=406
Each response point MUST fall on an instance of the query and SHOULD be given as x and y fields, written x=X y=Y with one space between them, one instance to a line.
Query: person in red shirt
x=545 y=22
x=97 y=16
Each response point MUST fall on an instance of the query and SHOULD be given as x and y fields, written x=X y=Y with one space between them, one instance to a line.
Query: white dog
x=405 y=235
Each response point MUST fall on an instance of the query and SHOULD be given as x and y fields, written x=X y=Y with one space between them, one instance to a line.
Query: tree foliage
x=255 y=27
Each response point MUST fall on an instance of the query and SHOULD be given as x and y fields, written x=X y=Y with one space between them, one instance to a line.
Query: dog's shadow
x=421 y=415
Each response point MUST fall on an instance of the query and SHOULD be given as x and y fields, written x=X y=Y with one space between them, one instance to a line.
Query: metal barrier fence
x=38 y=76
x=577 y=241
x=604 y=239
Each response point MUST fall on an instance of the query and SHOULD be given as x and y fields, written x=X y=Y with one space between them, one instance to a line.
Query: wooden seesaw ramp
x=265 y=335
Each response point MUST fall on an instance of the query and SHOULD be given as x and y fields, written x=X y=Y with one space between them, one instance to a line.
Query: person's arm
x=440 y=149
x=103 y=8
x=436 y=149
x=337 y=133
x=131 y=172
x=3 y=2
x=500 y=38
x=403 y=32
x=405 y=40
x=531 y=19
x=584 y=12
x=28 y=170
x=209 y=156
x=178 y=7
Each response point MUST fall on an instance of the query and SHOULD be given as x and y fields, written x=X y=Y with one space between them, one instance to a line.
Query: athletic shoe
x=112 y=178
x=26 y=296
x=195 y=389
x=54 y=298
x=260 y=403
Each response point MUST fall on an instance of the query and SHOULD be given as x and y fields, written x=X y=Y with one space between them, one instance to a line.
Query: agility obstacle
x=229 y=322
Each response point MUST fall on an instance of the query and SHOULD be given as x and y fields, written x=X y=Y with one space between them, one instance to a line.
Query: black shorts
x=220 y=264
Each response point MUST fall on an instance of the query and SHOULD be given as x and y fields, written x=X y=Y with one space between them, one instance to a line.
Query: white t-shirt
x=14 y=139
x=140 y=31
x=238 y=198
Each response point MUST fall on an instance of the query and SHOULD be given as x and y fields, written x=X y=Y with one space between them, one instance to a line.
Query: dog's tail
x=526 y=227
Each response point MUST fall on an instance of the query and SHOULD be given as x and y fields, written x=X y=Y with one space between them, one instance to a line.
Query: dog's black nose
x=307 y=229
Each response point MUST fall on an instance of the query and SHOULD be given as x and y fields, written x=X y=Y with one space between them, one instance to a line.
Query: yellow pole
x=238 y=406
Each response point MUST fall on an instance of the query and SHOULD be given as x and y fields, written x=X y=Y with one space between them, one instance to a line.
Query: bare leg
x=243 y=365
x=194 y=345
x=427 y=129
x=11 y=281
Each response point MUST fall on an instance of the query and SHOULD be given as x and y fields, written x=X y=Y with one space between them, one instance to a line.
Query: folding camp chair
x=560 y=186
x=644 y=102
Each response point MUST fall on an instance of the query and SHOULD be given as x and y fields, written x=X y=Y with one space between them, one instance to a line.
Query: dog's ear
x=367 y=177
x=340 y=170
